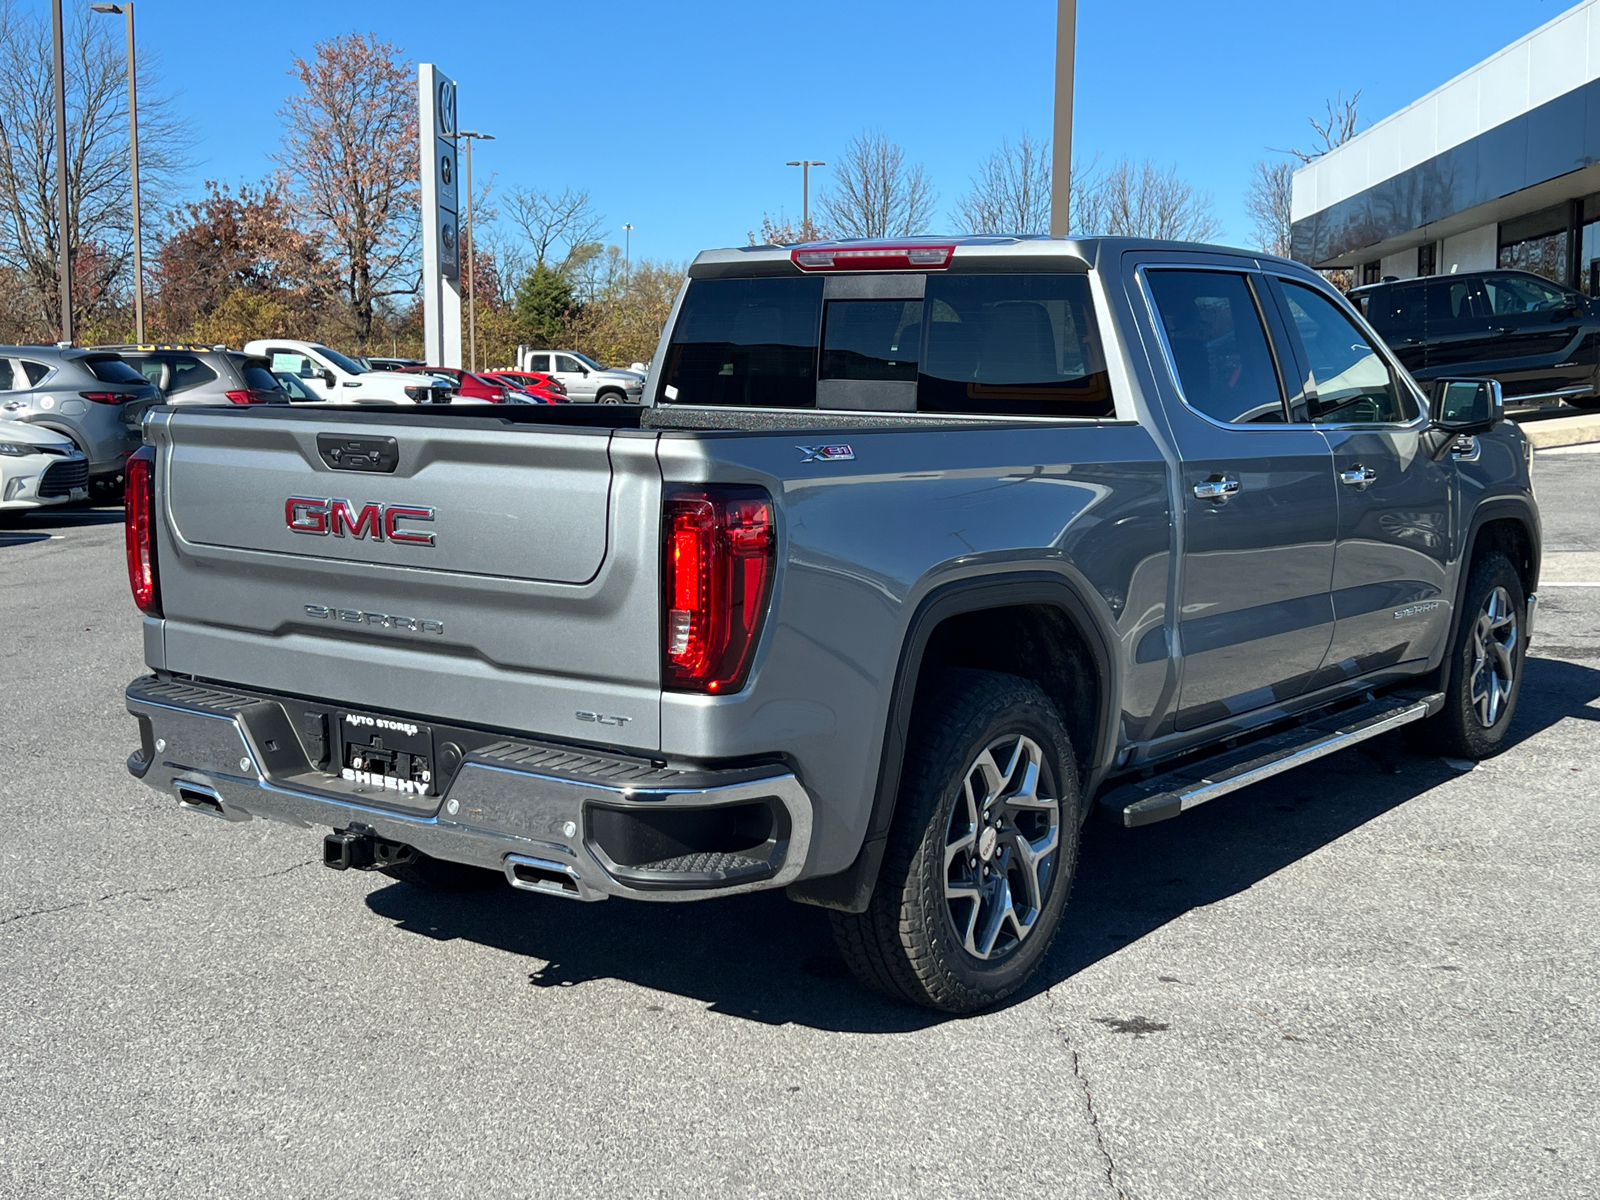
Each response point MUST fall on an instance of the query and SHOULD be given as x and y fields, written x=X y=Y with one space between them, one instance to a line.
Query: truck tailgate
x=485 y=573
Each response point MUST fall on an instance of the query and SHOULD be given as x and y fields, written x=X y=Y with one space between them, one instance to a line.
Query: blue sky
x=679 y=117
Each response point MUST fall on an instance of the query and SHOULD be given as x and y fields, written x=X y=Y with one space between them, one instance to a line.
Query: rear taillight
x=240 y=397
x=717 y=571
x=138 y=505
x=105 y=397
x=873 y=258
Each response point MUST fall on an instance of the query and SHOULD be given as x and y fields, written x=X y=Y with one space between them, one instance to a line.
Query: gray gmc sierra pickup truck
x=918 y=552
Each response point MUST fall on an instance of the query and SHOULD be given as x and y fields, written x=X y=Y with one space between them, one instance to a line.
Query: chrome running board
x=1163 y=797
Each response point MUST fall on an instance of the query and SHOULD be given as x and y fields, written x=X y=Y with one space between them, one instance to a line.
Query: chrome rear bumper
x=237 y=755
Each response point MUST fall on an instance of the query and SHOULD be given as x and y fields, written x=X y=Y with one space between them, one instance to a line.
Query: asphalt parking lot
x=1372 y=977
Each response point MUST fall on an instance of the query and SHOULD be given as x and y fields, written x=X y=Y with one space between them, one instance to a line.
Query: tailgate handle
x=344 y=453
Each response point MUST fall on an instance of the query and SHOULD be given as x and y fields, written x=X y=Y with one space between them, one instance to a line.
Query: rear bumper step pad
x=235 y=755
x=1163 y=797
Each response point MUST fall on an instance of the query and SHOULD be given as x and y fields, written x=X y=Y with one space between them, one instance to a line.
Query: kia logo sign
x=323 y=515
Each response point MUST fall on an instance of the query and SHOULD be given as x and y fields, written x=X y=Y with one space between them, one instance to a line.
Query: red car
x=467 y=385
x=537 y=384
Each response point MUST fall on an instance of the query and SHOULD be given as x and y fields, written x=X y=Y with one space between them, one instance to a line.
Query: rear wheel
x=1483 y=673
x=982 y=851
x=441 y=875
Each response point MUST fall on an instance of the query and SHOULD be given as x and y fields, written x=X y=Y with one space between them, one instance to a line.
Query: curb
x=1563 y=431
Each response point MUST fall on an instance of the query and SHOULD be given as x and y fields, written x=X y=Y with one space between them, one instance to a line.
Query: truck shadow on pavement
x=765 y=959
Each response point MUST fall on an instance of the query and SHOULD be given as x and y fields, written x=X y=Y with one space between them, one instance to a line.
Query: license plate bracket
x=387 y=754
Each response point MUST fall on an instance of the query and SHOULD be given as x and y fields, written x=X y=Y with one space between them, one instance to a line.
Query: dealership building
x=1499 y=167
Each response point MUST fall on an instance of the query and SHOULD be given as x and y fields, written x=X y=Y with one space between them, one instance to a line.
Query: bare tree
x=1267 y=200
x=1011 y=191
x=875 y=194
x=350 y=155
x=550 y=222
x=1143 y=200
x=787 y=232
x=1337 y=128
x=100 y=228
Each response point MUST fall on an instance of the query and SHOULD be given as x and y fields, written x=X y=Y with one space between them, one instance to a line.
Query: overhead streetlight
x=805 y=165
x=133 y=139
x=1061 y=166
x=469 y=137
x=63 y=249
x=627 y=250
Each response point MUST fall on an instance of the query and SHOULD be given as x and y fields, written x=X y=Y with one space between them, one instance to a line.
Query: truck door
x=1396 y=503
x=1258 y=498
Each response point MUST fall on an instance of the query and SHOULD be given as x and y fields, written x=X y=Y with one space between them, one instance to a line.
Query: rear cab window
x=1022 y=344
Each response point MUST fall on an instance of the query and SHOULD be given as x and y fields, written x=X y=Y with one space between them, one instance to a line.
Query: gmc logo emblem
x=322 y=515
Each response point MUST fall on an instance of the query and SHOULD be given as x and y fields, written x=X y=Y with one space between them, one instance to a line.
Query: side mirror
x=1466 y=406
x=328 y=379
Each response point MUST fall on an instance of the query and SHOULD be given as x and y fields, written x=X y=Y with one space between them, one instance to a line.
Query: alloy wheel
x=1000 y=848
x=1494 y=645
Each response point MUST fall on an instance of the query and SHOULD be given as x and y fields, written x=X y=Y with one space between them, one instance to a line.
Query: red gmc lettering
x=410 y=537
x=306 y=514
x=343 y=517
x=323 y=515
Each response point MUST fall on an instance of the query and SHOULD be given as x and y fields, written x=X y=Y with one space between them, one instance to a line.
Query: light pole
x=1061 y=167
x=469 y=137
x=805 y=165
x=627 y=251
x=133 y=140
x=63 y=248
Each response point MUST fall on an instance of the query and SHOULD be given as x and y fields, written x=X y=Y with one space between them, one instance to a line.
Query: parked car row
x=1539 y=339
x=91 y=401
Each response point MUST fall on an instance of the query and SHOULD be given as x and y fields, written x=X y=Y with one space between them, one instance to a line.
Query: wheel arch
x=966 y=624
x=1510 y=525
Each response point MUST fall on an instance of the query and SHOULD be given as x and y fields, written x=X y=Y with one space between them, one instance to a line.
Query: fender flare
x=1499 y=508
x=851 y=889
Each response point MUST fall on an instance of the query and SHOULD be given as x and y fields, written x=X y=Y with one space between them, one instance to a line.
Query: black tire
x=915 y=940
x=441 y=875
x=611 y=398
x=1474 y=724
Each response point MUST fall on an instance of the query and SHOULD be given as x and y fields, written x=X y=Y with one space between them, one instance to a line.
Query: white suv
x=586 y=381
x=337 y=379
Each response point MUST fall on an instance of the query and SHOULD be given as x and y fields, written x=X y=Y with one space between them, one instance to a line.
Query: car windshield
x=348 y=365
x=588 y=362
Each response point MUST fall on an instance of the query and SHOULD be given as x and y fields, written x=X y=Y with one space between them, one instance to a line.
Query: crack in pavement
x=148 y=893
x=1088 y=1107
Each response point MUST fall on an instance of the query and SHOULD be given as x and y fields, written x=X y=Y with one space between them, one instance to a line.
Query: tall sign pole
x=441 y=248
x=63 y=208
x=1061 y=164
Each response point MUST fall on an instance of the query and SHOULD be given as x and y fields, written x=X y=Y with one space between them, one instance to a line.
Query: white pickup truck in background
x=586 y=381
x=341 y=380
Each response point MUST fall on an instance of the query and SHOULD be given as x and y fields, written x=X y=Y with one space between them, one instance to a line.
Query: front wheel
x=981 y=853
x=1483 y=673
x=611 y=398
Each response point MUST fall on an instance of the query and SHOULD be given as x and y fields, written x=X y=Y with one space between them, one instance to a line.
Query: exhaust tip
x=200 y=799
x=541 y=875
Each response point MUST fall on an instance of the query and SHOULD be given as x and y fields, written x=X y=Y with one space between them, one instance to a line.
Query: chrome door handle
x=1358 y=476
x=1217 y=490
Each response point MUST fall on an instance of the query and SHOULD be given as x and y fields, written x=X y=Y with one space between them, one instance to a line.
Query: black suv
x=1539 y=339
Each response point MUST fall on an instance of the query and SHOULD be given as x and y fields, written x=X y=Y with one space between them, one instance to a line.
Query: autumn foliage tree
x=349 y=157
x=236 y=267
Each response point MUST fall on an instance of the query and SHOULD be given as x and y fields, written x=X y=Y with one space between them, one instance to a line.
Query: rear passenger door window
x=1218 y=346
x=1350 y=383
x=36 y=371
x=187 y=372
